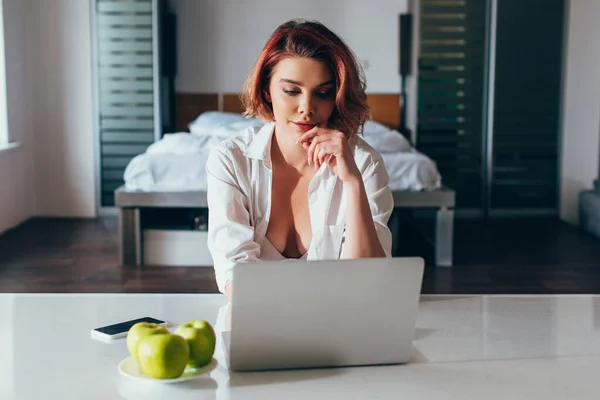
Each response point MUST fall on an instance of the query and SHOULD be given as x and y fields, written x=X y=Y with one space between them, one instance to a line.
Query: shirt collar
x=260 y=147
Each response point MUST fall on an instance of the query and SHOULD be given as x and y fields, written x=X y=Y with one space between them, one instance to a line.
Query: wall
x=49 y=104
x=16 y=165
x=7 y=347
x=50 y=101
x=59 y=50
x=581 y=110
x=219 y=40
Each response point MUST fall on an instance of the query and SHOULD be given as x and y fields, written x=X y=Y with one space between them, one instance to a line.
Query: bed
x=170 y=174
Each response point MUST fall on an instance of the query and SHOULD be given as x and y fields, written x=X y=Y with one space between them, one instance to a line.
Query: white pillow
x=384 y=139
x=389 y=142
x=374 y=128
x=182 y=143
x=209 y=122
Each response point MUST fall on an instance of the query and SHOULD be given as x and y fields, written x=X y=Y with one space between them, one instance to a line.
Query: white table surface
x=465 y=347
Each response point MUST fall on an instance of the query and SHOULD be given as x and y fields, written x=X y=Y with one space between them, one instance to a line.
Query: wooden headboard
x=385 y=107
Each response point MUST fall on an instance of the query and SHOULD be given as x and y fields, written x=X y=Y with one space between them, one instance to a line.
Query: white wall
x=15 y=193
x=59 y=46
x=219 y=40
x=581 y=120
x=7 y=346
x=16 y=165
x=49 y=104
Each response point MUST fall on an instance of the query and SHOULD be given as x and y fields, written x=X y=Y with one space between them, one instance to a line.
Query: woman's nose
x=306 y=106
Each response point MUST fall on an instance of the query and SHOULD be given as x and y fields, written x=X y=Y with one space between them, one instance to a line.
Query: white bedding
x=177 y=162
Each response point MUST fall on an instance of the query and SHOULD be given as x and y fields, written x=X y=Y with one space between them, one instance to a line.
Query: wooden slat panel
x=385 y=109
x=232 y=103
x=188 y=106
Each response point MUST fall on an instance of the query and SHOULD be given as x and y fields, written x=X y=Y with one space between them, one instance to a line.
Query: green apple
x=140 y=330
x=163 y=355
x=201 y=339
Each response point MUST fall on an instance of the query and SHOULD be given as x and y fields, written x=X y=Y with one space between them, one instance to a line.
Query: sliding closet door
x=451 y=93
x=126 y=75
x=489 y=91
x=527 y=97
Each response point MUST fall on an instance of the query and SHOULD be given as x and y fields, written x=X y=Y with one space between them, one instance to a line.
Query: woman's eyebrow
x=293 y=82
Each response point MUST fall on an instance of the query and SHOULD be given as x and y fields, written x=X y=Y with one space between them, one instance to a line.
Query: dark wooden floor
x=499 y=256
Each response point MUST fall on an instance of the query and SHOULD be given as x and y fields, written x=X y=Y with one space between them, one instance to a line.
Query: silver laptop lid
x=323 y=313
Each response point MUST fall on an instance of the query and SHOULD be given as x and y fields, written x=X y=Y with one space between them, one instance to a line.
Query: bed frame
x=385 y=109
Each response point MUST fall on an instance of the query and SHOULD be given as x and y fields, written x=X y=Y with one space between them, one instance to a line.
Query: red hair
x=310 y=39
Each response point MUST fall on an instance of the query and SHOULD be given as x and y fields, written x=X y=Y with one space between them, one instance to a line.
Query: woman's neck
x=285 y=149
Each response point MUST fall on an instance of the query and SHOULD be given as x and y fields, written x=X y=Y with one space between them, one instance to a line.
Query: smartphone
x=109 y=333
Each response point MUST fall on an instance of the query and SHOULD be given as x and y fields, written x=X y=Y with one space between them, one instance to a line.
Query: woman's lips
x=305 y=127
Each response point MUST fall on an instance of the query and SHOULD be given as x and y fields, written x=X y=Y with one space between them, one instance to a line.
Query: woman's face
x=302 y=92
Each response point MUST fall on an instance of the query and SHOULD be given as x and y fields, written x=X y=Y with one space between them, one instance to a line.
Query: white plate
x=130 y=368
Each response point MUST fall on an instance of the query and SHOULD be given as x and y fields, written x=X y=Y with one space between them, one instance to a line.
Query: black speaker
x=405 y=42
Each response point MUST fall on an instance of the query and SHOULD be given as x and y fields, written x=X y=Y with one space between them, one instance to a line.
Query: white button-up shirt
x=239 y=179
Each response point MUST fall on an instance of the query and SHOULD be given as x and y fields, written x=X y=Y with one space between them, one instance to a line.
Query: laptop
x=314 y=314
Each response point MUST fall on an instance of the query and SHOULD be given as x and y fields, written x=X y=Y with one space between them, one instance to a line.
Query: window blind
x=450 y=93
x=125 y=83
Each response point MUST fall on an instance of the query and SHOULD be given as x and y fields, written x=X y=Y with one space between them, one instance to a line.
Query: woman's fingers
x=330 y=157
x=312 y=148
x=323 y=156
x=308 y=135
x=323 y=148
x=315 y=140
x=324 y=153
x=316 y=154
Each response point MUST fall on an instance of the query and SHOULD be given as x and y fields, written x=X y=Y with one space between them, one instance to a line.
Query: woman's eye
x=321 y=94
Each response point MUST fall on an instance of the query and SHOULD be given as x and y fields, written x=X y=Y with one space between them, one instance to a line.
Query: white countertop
x=465 y=347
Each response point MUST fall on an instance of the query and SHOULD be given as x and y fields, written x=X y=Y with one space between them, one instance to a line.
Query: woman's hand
x=330 y=147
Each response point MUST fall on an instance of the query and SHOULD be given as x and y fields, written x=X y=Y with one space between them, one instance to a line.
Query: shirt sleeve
x=230 y=233
x=381 y=201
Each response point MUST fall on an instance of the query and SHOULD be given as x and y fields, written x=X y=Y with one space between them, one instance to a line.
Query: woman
x=305 y=185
